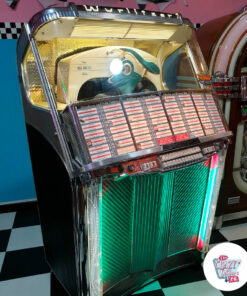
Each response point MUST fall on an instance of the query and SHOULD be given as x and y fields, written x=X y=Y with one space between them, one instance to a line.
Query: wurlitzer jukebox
x=127 y=145
x=223 y=43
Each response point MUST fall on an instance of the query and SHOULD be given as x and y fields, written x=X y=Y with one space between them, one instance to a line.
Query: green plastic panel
x=146 y=218
x=116 y=227
x=135 y=224
x=188 y=199
x=152 y=204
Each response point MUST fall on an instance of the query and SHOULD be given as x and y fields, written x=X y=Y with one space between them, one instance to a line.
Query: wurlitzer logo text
x=227 y=269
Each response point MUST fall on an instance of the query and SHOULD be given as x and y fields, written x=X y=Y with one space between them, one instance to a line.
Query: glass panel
x=196 y=55
x=86 y=59
x=32 y=82
x=178 y=71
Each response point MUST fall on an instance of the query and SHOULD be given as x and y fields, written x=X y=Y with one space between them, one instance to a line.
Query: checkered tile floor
x=24 y=272
x=10 y=30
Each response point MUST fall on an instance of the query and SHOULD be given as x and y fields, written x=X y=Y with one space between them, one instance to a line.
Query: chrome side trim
x=51 y=103
x=218 y=222
x=214 y=202
x=49 y=15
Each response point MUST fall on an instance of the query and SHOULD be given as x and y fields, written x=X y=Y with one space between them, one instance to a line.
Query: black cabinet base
x=56 y=288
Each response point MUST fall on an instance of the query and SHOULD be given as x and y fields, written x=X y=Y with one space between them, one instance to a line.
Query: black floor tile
x=26 y=218
x=56 y=287
x=23 y=263
x=234 y=222
x=4 y=239
x=240 y=292
x=183 y=276
x=217 y=237
x=242 y=243
x=15 y=207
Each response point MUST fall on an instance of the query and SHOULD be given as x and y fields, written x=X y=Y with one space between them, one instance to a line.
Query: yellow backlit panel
x=152 y=31
x=61 y=40
x=107 y=29
x=100 y=29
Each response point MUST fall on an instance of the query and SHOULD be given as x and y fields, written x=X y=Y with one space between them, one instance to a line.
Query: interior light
x=116 y=66
x=208 y=201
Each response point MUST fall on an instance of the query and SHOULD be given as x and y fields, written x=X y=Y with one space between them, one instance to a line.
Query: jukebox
x=226 y=56
x=127 y=144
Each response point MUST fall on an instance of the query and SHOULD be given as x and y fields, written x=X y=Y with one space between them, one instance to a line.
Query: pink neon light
x=214 y=161
x=200 y=244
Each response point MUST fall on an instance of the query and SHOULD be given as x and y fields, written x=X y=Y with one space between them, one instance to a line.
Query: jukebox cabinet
x=127 y=144
x=224 y=44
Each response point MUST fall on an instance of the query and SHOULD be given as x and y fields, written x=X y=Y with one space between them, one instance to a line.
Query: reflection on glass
x=88 y=59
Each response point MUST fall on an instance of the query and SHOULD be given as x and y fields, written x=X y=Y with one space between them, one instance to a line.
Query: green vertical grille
x=188 y=198
x=116 y=225
x=135 y=224
x=152 y=204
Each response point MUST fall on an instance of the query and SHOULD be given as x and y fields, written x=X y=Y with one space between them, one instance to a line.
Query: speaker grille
x=188 y=199
x=146 y=218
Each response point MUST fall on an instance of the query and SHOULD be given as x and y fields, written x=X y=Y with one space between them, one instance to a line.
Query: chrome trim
x=49 y=15
x=140 y=154
x=128 y=14
x=89 y=11
x=181 y=153
x=189 y=91
x=51 y=103
x=215 y=197
x=218 y=222
x=214 y=137
x=79 y=231
x=122 y=158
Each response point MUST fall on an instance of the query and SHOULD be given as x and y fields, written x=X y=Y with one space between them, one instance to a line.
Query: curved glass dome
x=90 y=58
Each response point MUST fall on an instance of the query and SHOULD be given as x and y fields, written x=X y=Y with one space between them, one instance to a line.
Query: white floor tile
x=2 y=255
x=202 y=288
x=7 y=220
x=25 y=237
x=38 y=285
x=234 y=232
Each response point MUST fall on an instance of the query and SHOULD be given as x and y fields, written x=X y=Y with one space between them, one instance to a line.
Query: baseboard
x=18 y=205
